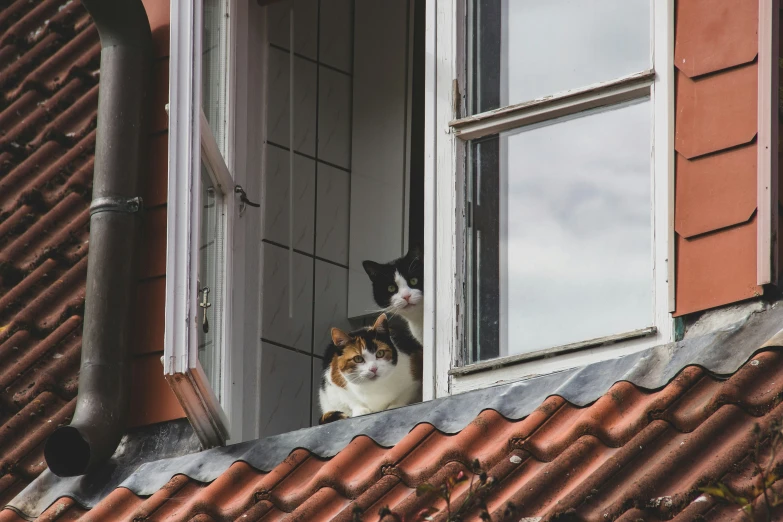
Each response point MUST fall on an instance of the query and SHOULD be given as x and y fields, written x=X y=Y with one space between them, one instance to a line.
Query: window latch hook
x=243 y=199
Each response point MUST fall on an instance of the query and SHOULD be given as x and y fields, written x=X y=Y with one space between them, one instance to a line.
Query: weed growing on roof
x=446 y=490
x=457 y=509
x=767 y=472
x=474 y=498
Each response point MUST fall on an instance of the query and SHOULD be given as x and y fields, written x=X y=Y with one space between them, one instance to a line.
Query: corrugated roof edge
x=721 y=352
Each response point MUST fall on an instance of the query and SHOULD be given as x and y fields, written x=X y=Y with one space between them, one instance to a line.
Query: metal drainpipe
x=104 y=379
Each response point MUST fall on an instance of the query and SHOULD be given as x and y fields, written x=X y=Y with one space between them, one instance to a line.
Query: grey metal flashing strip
x=112 y=204
x=721 y=352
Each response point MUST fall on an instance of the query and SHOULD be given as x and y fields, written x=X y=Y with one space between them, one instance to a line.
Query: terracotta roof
x=49 y=60
x=631 y=455
x=565 y=446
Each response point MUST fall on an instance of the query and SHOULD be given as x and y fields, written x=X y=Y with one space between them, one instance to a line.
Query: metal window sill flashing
x=546 y=353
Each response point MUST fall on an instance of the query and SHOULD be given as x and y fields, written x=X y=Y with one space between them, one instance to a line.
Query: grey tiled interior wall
x=292 y=346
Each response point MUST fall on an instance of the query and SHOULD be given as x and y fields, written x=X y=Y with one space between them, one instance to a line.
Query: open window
x=314 y=110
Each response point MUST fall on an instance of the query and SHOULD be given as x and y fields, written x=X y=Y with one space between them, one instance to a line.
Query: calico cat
x=365 y=373
x=397 y=288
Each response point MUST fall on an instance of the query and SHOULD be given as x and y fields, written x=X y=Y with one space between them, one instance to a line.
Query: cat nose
x=406 y=296
x=374 y=369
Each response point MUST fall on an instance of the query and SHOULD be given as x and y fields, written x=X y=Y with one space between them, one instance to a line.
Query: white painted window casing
x=767 y=183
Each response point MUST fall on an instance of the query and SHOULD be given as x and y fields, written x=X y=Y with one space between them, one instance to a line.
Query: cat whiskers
x=390 y=311
x=378 y=311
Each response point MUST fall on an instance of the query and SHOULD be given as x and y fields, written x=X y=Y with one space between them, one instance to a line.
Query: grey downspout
x=104 y=378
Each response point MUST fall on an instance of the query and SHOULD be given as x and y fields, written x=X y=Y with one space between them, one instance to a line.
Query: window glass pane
x=213 y=68
x=561 y=232
x=526 y=49
x=210 y=280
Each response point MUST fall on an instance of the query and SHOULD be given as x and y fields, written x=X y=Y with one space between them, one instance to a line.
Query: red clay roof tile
x=49 y=56
x=631 y=455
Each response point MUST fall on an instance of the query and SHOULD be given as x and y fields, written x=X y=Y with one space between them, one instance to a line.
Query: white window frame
x=444 y=171
x=191 y=142
x=767 y=262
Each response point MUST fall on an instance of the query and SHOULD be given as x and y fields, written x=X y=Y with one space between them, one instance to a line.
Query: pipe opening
x=67 y=452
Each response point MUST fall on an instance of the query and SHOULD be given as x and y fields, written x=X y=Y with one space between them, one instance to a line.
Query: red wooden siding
x=152 y=399
x=716 y=45
x=712 y=35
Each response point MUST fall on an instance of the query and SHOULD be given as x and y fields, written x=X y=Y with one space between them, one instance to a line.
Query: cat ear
x=340 y=338
x=381 y=324
x=372 y=268
x=416 y=252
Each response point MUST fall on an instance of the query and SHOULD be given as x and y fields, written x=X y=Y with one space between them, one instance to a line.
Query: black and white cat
x=364 y=373
x=397 y=288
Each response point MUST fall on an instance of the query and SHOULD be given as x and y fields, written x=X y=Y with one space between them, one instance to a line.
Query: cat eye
x=392 y=288
x=358 y=359
x=414 y=281
x=379 y=354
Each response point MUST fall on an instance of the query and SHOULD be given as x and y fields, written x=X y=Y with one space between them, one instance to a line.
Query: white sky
x=579 y=222
x=580 y=255
x=557 y=45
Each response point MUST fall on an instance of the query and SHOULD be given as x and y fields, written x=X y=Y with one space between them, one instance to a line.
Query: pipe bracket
x=113 y=204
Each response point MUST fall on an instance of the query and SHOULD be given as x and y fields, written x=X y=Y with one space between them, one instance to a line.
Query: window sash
x=567 y=103
x=445 y=237
x=190 y=140
x=494 y=342
x=240 y=163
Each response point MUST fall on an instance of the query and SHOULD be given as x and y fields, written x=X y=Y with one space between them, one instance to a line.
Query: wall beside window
x=151 y=398
x=716 y=157
x=292 y=343
x=387 y=196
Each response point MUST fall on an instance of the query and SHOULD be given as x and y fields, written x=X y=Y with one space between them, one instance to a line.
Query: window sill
x=511 y=360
